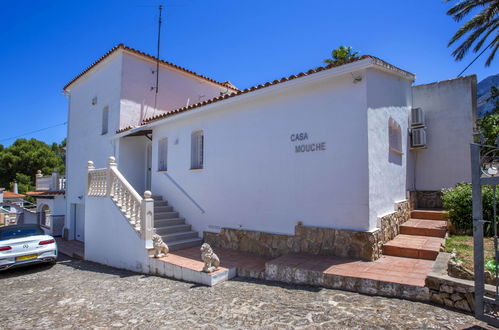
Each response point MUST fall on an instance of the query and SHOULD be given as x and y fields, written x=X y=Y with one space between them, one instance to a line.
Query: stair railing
x=109 y=182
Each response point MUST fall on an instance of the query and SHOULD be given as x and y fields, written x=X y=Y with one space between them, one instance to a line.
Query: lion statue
x=160 y=247
x=210 y=259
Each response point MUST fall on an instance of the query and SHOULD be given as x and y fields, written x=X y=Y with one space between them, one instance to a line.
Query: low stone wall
x=450 y=291
x=427 y=199
x=315 y=240
x=287 y=274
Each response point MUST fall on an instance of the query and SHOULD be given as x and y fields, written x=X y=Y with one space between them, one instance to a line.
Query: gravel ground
x=81 y=294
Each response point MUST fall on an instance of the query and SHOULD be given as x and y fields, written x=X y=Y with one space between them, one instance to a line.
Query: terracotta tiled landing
x=412 y=246
x=391 y=269
x=423 y=227
x=429 y=214
x=191 y=258
x=74 y=249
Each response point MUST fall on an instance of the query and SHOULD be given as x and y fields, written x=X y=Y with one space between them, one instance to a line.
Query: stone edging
x=451 y=291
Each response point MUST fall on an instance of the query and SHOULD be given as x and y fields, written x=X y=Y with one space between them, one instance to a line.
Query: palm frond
x=495 y=45
x=490 y=29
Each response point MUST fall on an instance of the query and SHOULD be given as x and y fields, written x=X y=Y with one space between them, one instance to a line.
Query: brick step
x=423 y=227
x=429 y=214
x=412 y=246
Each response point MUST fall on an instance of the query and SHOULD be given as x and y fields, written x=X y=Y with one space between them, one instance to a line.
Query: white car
x=25 y=244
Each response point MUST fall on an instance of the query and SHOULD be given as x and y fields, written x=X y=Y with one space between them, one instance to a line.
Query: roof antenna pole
x=157 y=59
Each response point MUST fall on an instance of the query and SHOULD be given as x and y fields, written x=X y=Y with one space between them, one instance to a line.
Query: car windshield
x=10 y=232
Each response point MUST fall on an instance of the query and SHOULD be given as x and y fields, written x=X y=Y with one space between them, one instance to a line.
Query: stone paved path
x=80 y=294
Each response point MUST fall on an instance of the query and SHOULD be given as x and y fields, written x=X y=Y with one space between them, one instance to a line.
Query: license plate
x=26 y=257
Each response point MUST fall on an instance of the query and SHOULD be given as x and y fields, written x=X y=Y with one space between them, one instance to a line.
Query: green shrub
x=458 y=202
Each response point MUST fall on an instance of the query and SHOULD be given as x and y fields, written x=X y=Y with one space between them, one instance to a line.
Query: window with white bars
x=394 y=137
x=105 y=120
x=163 y=154
x=197 y=145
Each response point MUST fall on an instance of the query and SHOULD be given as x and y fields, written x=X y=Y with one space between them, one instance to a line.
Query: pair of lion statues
x=210 y=259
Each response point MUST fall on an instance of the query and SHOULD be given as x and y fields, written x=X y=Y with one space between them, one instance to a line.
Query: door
x=79 y=216
x=148 y=166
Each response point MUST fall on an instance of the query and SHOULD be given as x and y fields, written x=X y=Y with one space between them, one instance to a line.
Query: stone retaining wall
x=450 y=291
x=315 y=240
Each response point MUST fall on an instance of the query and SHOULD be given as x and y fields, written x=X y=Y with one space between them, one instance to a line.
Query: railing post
x=147 y=216
x=38 y=176
x=112 y=164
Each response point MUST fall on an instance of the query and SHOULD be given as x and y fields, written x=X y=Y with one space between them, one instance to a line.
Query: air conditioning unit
x=417 y=117
x=418 y=137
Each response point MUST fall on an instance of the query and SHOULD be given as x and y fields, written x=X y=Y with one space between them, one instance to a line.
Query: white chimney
x=15 y=188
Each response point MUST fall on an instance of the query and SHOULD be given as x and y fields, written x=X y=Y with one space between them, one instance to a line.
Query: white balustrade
x=109 y=182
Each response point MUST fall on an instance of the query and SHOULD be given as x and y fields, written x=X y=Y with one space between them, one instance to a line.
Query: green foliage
x=489 y=124
x=478 y=29
x=491 y=266
x=23 y=158
x=458 y=201
x=341 y=55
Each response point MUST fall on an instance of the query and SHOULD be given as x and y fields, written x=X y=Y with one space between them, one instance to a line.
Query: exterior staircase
x=172 y=228
x=420 y=237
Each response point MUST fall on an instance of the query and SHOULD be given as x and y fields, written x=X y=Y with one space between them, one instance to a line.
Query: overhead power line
x=31 y=132
x=476 y=58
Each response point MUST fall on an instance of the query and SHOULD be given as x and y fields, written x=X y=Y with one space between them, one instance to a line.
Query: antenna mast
x=157 y=59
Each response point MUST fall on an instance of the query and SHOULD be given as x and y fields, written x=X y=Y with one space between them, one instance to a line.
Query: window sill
x=196 y=169
x=160 y=171
x=395 y=151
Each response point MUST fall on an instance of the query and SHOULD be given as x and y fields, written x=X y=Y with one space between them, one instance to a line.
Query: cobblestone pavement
x=81 y=294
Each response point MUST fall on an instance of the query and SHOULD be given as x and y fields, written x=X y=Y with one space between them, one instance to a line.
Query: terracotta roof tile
x=138 y=52
x=45 y=193
x=267 y=84
x=10 y=194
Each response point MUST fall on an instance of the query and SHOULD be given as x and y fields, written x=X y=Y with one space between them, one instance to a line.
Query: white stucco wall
x=132 y=161
x=104 y=222
x=253 y=178
x=176 y=88
x=449 y=108
x=85 y=141
x=387 y=96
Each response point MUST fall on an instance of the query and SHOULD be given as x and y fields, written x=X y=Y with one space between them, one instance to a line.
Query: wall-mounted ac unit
x=417 y=117
x=418 y=137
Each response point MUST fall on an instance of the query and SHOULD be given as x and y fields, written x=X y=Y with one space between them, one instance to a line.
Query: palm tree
x=341 y=55
x=481 y=26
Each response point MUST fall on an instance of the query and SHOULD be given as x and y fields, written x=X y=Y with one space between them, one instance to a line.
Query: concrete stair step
x=413 y=246
x=169 y=222
x=172 y=229
x=429 y=214
x=182 y=235
x=162 y=209
x=165 y=215
x=160 y=203
x=423 y=227
x=157 y=197
x=185 y=243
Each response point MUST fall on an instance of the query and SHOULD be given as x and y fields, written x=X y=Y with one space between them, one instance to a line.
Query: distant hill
x=483 y=93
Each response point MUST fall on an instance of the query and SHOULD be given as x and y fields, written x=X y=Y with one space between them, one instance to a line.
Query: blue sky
x=44 y=44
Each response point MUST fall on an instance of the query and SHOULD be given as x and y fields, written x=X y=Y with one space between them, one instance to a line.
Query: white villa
x=284 y=166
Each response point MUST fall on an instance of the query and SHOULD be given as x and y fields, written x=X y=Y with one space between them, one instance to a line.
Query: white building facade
x=327 y=149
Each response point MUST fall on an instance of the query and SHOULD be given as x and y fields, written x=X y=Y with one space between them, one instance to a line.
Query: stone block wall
x=450 y=291
x=315 y=240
